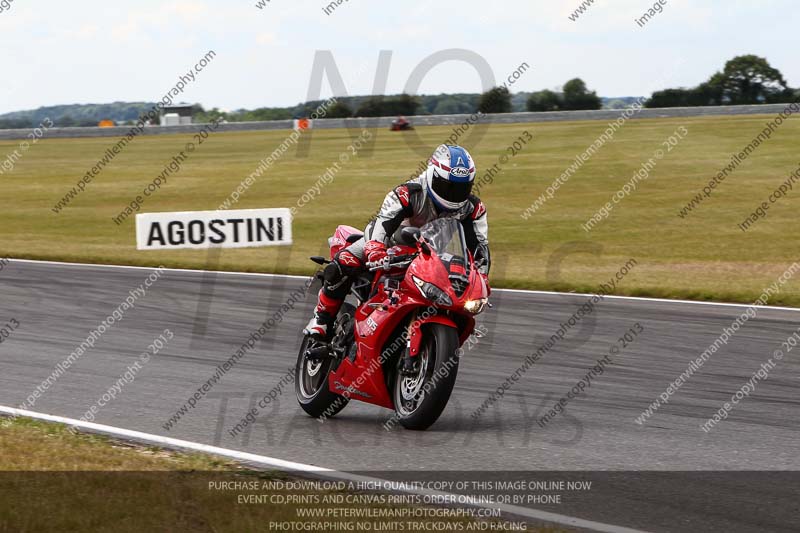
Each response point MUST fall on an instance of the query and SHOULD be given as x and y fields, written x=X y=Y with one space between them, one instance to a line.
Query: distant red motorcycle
x=400 y=124
x=421 y=303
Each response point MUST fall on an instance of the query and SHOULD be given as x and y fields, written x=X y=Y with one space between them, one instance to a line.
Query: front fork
x=410 y=362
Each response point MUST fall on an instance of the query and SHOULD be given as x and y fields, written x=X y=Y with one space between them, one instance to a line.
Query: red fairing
x=380 y=319
x=416 y=330
x=374 y=327
x=339 y=240
x=364 y=377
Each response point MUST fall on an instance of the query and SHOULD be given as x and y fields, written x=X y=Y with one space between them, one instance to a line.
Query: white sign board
x=241 y=228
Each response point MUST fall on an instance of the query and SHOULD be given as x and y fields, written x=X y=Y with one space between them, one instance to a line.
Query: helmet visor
x=451 y=191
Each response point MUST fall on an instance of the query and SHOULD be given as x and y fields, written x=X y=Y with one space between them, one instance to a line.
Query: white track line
x=657 y=300
x=519 y=291
x=129 y=267
x=289 y=466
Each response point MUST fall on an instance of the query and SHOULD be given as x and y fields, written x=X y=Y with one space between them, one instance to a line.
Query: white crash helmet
x=449 y=177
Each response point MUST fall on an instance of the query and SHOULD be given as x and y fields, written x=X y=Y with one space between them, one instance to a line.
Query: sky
x=94 y=51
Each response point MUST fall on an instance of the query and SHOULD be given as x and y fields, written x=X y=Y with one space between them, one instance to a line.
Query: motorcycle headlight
x=475 y=306
x=432 y=292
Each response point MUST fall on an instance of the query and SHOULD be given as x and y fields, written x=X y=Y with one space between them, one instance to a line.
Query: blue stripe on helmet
x=459 y=158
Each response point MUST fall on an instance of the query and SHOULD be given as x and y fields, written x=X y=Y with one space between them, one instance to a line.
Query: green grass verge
x=52 y=479
x=704 y=256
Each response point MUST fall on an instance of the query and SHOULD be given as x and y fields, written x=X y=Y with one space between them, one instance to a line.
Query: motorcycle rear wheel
x=420 y=400
x=311 y=381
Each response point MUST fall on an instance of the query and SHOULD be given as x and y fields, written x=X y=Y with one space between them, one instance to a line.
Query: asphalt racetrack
x=56 y=306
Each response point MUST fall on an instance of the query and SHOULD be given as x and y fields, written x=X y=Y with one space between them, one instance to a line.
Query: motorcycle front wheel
x=419 y=400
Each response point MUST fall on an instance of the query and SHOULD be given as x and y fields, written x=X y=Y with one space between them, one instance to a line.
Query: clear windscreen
x=446 y=237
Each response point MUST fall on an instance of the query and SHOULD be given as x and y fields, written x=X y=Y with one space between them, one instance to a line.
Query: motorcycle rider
x=443 y=190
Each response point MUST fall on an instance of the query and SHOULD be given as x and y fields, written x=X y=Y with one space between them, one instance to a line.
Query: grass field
x=703 y=256
x=53 y=480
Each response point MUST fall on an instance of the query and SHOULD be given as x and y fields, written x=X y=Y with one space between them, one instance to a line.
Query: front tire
x=420 y=400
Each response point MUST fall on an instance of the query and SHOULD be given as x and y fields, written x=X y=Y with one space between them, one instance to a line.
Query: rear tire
x=420 y=400
x=311 y=381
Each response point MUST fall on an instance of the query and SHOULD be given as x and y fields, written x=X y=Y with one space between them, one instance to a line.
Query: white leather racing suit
x=410 y=205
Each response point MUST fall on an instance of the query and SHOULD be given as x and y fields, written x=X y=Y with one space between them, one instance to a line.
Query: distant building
x=176 y=115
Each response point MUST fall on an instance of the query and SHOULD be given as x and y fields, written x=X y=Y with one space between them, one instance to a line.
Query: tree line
x=746 y=79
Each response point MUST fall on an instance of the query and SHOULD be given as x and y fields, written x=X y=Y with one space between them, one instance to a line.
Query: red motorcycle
x=419 y=303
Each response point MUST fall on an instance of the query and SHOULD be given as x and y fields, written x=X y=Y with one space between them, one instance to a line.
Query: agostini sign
x=241 y=228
